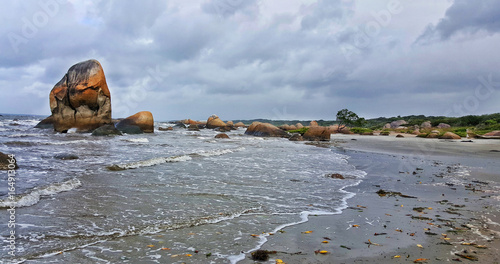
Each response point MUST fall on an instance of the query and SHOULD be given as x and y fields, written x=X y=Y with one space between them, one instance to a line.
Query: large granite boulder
x=450 y=135
x=495 y=133
x=81 y=99
x=317 y=134
x=396 y=124
x=299 y=126
x=141 y=122
x=387 y=126
x=265 y=130
x=313 y=124
x=443 y=125
x=426 y=124
x=239 y=124
x=214 y=122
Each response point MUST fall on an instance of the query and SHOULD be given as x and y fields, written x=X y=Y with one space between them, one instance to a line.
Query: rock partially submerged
x=239 y=124
x=81 y=99
x=214 y=122
x=221 y=135
x=139 y=123
x=66 y=156
x=265 y=130
x=107 y=130
x=193 y=128
x=47 y=123
x=5 y=161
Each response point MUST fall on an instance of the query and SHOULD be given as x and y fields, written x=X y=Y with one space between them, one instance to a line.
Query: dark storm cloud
x=465 y=17
x=247 y=59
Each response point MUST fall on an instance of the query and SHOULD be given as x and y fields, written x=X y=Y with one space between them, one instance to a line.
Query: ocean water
x=169 y=197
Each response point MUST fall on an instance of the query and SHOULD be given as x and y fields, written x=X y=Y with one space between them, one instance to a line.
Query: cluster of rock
x=81 y=100
x=313 y=133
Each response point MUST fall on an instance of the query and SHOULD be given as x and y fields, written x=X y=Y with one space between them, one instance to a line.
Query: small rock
x=193 y=128
x=4 y=162
x=165 y=128
x=221 y=135
x=47 y=123
x=106 y=130
x=66 y=156
x=335 y=176
x=296 y=137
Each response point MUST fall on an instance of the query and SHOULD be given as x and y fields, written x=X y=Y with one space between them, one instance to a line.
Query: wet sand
x=442 y=205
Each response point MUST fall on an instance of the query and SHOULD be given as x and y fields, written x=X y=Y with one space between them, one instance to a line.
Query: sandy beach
x=423 y=201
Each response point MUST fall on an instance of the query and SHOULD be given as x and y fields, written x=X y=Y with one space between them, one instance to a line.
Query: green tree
x=348 y=118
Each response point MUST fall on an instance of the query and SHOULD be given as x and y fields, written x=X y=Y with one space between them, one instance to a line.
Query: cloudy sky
x=244 y=59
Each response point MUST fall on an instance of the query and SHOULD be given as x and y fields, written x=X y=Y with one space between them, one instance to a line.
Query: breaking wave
x=34 y=196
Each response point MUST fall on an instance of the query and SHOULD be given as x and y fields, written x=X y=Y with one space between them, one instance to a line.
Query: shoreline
x=453 y=216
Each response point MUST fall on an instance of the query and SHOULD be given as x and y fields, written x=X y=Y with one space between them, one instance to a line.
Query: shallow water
x=159 y=198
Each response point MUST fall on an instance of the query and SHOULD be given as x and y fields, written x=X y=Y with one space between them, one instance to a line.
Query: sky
x=246 y=59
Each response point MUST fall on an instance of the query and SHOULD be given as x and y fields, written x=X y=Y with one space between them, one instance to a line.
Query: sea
x=166 y=197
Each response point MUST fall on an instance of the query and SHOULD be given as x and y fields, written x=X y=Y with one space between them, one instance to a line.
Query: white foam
x=218 y=152
x=138 y=140
x=34 y=196
x=152 y=162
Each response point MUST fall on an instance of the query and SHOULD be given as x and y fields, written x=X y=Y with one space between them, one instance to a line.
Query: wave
x=34 y=196
x=162 y=160
x=138 y=140
x=216 y=152
x=148 y=163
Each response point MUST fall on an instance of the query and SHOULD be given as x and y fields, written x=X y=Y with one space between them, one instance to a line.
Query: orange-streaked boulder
x=81 y=99
x=317 y=133
x=142 y=120
x=495 y=133
x=313 y=124
x=450 y=135
x=214 y=122
x=239 y=124
x=265 y=130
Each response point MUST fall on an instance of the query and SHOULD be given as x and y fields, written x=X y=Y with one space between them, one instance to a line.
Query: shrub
x=302 y=131
x=361 y=130
x=461 y=131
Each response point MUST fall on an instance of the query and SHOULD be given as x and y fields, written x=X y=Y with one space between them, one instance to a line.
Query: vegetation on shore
x=477 y=124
